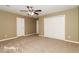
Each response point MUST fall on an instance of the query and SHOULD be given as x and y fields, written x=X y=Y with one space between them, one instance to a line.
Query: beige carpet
x=36 y=44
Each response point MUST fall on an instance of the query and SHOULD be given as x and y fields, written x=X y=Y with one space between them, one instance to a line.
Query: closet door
x=20 y=27
x=54 y=27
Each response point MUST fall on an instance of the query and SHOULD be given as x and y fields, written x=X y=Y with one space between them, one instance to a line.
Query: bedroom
x=54 y=28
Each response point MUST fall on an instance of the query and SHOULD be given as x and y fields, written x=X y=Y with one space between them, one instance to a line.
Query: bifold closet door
x=20 y=27
x=54 y=27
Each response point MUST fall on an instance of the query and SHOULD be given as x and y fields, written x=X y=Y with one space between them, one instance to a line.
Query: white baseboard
x=33 y=34
x=71 y=41
x=8 y=39
x=15 y=37
x=63 y=40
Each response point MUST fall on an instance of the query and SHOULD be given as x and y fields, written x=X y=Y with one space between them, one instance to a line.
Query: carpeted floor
x=36 y=44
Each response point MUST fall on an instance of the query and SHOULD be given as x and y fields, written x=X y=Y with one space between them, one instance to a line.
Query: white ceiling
x=46 y=9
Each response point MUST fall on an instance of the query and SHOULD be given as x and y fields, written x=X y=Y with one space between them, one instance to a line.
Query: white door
x=54 y=27
x=20 y=27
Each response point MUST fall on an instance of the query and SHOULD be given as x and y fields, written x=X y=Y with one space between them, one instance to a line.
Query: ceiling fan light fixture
x=31 y=13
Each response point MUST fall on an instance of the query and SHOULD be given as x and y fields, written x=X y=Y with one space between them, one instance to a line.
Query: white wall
x=54 y=27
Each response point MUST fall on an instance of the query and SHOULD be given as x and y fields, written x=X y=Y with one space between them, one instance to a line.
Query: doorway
x=20 y=26
x=54 y=27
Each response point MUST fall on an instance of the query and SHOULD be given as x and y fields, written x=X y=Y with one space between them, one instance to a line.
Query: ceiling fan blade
x=23 y=10
x=36 y=13
x=7 y=5
x=38 y=10
x=28 y=7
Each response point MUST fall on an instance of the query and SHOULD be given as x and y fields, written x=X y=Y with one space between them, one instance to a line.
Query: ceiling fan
x=31 y=11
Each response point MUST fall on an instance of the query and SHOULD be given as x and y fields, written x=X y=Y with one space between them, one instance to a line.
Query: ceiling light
x=31 y=13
